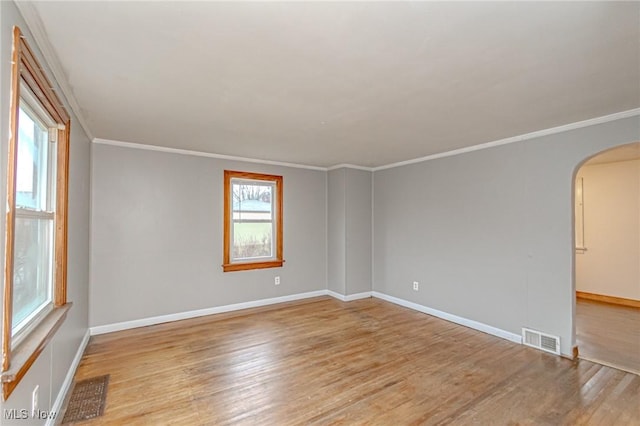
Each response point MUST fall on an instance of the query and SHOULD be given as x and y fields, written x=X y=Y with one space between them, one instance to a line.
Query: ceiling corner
x=36 y=27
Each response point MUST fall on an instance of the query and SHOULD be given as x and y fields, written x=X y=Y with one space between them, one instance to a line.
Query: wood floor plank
x=609 y=334
x=322 y=361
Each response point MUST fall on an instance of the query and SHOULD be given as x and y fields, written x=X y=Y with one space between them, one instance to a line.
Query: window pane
x=32 y=269
x=252 y=239
x=252 y=220
x=32 y=168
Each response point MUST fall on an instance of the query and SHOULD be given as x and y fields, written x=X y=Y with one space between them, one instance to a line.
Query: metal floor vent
x=542 y=341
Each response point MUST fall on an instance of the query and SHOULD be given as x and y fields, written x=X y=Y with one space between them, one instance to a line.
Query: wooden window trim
x=16 y=361
x=229 y=266
x=23 y=357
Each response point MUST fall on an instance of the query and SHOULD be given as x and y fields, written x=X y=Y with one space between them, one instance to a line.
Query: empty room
x=291 y=213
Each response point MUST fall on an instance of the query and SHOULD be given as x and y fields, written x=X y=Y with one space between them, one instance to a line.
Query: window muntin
x=253 y=221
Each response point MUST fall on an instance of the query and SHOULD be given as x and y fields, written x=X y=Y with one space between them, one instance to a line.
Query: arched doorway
x=607 y=258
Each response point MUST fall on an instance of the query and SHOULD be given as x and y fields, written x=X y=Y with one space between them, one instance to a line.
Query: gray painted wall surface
x=489 y=234
x=349 y=248
x=336 y=255
x=157 y=235
x=358 y=231
x=52 y=365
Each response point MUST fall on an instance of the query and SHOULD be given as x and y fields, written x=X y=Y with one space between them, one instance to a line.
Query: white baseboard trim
x=349 y=297
x=68 y=380
x=516 y=338
x=143 y=322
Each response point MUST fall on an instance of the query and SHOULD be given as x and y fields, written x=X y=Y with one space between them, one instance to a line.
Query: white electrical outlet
x=416 y=285
x=34 y=399
x=277 y=281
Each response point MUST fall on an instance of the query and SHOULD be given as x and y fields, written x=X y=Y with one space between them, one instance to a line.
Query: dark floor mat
x=87 y=399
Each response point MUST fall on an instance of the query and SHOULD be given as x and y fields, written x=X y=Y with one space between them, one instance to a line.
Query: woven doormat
x=87 y=399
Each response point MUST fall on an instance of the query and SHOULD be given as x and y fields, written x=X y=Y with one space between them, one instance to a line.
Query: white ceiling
x=328 y=83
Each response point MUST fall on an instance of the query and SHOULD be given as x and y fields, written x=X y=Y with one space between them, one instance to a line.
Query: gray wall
x=336 y=255
x=349 y=207
x=358 y=231
x=52 y=365
x=489 y=234
x=157 y=235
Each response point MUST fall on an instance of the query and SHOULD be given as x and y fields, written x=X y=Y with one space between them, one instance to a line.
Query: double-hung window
x=252 y=221
x=35 y=205
x=35 y=279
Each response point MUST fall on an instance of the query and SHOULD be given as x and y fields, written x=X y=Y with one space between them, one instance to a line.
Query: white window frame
x=274 y=227
x=31 y=107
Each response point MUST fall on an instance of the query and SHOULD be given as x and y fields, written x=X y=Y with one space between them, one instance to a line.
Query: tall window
x=34 y=217
x=35 y=281
x=252 y=221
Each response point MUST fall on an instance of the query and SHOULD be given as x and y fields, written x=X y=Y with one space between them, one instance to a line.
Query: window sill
x=26 y=353
x=231 y=267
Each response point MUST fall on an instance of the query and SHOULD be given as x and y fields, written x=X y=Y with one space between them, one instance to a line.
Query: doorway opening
x=607 y=258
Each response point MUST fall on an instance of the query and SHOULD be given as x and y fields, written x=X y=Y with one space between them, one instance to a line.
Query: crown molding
x=203 y=154
x=37 y=30
x=157 y=148
x=350 y=166
x=520 y=138
x=36 y=27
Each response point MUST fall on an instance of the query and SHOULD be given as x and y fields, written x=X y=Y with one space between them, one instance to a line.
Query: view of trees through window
x=253 y=225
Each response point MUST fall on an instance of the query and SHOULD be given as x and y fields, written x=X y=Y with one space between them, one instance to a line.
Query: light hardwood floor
x=609 y=334
x=322 y=361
